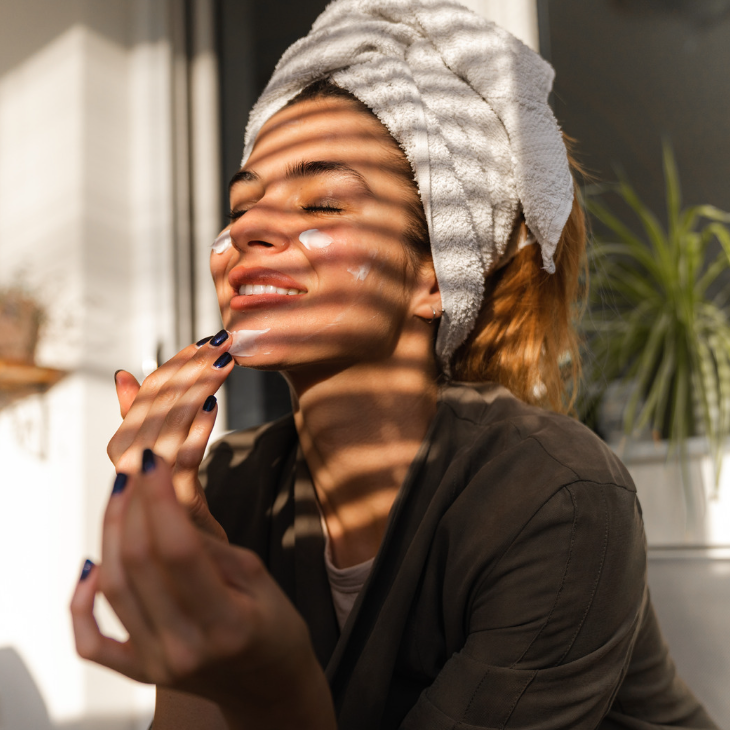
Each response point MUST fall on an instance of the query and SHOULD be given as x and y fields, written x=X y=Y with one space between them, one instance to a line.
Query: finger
x=185 y=565
x=113 y=581
x=127 y=389
x=178 y=422
x=185 y=478
x=179 y=639
x=204 y=372
x=143 y=400
x=91 y=644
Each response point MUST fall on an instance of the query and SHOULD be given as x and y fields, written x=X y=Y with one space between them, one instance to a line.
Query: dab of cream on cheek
x=222 y=243
x=244 y=342
x=360 y=273
x=314 y=239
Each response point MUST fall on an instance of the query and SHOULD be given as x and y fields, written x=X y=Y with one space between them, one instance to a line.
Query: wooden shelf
x=18 y=380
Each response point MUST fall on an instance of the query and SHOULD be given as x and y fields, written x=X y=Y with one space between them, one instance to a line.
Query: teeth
x=247 y=290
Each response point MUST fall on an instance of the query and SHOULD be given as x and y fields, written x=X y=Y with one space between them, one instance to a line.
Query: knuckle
x=176 y=418
x=135 y=553
x=167 y=397
x=179 y=553
x=181 y=657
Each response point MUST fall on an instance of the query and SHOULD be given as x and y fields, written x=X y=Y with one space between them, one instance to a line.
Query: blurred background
x=121 y=122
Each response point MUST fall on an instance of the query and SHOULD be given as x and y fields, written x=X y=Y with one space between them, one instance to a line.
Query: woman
x=399 y=553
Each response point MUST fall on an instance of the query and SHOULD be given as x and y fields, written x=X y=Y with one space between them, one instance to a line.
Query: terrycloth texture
x=467 y=103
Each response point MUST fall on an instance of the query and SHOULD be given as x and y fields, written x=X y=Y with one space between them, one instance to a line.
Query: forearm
x=182 y=711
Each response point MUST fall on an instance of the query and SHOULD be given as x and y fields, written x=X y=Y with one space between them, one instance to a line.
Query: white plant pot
x=675 y=514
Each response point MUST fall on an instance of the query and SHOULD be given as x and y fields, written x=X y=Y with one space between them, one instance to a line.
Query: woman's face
x=316 y=271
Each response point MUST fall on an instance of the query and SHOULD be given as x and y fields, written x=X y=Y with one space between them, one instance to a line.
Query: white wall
x=93 y=147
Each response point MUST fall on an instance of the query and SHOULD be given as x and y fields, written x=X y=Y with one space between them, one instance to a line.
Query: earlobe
x=429 y=308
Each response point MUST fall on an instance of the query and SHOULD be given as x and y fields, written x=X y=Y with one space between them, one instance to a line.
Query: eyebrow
x=308 y=168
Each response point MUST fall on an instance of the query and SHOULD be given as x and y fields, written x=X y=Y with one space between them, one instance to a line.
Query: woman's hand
x=203 y=617
x=172 y=413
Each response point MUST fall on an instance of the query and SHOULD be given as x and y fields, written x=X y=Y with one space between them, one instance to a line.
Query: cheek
x=314 y=239
x=219 y=271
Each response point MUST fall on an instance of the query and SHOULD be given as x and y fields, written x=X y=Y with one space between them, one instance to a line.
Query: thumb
x=127 y=389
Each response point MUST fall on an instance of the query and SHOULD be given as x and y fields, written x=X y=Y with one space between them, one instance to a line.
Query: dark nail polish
x=117 y=373
x=88 y=565
x=120 y=481
x=222 y=361
x=209 y=404
x=219 y=339
x=200 y=343
x=148 y=461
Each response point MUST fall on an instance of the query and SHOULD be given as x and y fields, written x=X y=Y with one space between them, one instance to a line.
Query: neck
x=359 y=429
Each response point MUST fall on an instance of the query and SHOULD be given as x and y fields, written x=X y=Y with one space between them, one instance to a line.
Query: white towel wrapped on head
x=467 y=103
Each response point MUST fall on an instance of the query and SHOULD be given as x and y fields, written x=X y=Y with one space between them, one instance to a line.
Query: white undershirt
x=345 y=583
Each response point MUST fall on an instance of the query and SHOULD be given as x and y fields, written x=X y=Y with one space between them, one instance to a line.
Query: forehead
x=311 y=128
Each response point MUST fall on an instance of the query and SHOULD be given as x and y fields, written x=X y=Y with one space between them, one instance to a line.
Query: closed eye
x=234 y=215
x=322 y=209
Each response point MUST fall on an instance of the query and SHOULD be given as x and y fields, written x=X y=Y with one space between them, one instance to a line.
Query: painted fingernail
x=120 y=481
x=209 y=404
x=200 y=343
x=219 y=339
x=222 y=361
x=117 y=373
x=88 y=565
x=148 y=461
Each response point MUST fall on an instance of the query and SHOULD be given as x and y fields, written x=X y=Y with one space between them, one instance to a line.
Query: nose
x=263 y=229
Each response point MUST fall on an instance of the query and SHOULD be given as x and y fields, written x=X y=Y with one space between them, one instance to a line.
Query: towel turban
x=467 y=103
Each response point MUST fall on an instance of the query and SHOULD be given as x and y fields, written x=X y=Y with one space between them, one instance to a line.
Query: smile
x=248 y=290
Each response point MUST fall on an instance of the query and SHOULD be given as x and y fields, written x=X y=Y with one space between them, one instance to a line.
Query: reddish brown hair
x=525 y=336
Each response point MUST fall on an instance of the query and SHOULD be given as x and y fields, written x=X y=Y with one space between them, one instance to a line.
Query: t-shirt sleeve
x=551 y=624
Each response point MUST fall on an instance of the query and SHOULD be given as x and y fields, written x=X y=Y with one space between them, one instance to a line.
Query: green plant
x=651 y=321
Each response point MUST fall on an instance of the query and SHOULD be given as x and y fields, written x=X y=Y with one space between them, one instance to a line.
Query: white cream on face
x=222 y=243
x=360 y=272
x=244 y=342
x=314 y=238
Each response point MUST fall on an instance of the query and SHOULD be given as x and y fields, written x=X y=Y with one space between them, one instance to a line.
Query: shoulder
x=554 y=444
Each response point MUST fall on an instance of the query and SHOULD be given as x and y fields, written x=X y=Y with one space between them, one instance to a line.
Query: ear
x=427 y=295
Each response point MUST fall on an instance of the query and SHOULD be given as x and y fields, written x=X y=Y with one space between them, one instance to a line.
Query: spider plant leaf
x=637 y=252
x=646 y=367
x=673 y=191
x=712 y=213
x=656 y=235
x=659 y=390
x=663 y=384
x=723 y=236
x=720 y=264
x=604 y=215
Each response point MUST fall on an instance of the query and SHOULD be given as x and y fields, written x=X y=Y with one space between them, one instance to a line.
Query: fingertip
x=224 y=360
x=120 y=482
x=88 y=566
x=149 y=461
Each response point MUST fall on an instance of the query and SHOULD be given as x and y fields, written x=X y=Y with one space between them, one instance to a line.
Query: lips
x=259 y=288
